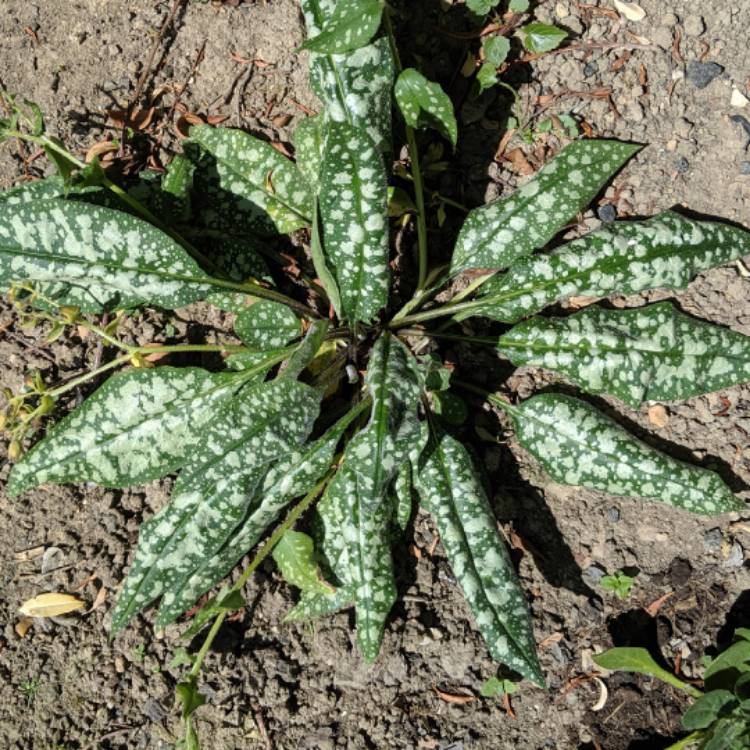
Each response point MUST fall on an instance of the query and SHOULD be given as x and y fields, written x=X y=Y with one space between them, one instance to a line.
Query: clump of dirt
x=305 y=686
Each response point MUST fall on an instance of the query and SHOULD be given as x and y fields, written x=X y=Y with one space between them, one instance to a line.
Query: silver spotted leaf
x=350 y=25
x=308 y=148
x=140 y=425
x=423 y=103
x=306 y=351
x=94 y=258
x=651 y=353
x=294 y=553
x=452 y=493
x=255 y=171
x=495 y=235
x=320 y=263
x=353 y=203
x=292 y=476
x=629 y=256
x=49 y=187
x=578 y=445
x=260 y=426
x=354 y=87
x=267 y=325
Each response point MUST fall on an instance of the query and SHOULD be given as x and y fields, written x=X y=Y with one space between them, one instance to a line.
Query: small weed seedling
x=337 y=392
x=29 y=688
x=619 y=583
x=720 y=717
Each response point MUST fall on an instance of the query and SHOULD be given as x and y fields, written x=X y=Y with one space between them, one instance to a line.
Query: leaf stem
x=261 y=555
x=491 y=397
x=416 y=172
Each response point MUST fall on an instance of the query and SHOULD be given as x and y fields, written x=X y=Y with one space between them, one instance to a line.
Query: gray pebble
x=712 y=540
x=700 y=74
x=736 y=556
x=669 y=19
x=682 y=165
x=590 y=69
x=745 y=167
x=593 y=574
x=613 y=514
x=607 y=213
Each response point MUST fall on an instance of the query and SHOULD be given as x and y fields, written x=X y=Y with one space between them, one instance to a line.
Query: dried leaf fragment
x=22 y=626
x=631 y=11
x=658 y=416
x=50 y=605
x=458 y=700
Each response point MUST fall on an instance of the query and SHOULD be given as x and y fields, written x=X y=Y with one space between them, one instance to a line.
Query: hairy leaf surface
x=630 y=256
x=138 y=426
x=495 y=235
x=453 y=494
x=95 y=258
x=651 y=353
x=254 y=170
x=211 y=496
x=353 y=202
x=294 y=553
x=578 y=445
x=423 y=103
x=267 y=325
x=292 y=476
x=351 y=24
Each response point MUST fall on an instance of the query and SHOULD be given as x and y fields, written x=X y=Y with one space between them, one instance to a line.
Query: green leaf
x=291 y=477
x=631 y=659
x=260 y=426
x=652 y=353
x=94 y=258
x=518 y=6
x=295 y=555
x=496 y=49
x=189 y=697
x=486 y=77
x=707 y=709
x=353 y=203
x=306 y=351
x=321 y=266
x=450 y=407
x=495 y=686
x=541 y=37
x=140 y=425
x=351 y=25
x=354 y=87
x=425 y=104
x=308 y=148
x=727 y=734
x=227 y=600
x=618 y=583
x=402 y=496
x=495 y=235
x=256 y=172
x=481 y=7
x=726 y=668
x=453 y=494
x=178 y=179
x=627 y=257
x=267 y=325
x=578 y=445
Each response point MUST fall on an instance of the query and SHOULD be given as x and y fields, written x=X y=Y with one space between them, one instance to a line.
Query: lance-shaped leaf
x=254 y=170
x=308 y=148
x=267 y=325
x=320 y=263
x=306 y=351
x=626 y=257
x=212 y=494
x=423 y=103
x=294 y=553
x=453 y=494
x=355 y=87
x=138 y=426
x=95 y=258
x=651 y=353
x=351 y=24
x=493 y=236
x=353 y=202
x=578 y=445
x=292 y=476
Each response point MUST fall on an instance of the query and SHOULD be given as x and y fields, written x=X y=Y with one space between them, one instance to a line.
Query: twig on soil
x=198 y=60
x=146 y=72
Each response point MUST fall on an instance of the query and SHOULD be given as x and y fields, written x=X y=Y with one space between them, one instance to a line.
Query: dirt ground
x=304 y=686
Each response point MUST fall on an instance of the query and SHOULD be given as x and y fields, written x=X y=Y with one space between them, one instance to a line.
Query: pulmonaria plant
x=329 y=394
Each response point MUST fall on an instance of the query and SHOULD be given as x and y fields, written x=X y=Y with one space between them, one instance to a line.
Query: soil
x=305 y=686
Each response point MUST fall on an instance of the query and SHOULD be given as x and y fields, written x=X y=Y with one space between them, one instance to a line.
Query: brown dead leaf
x=50 y=605
x=519 y=163
x=551 y=638
x=656 y=605
x=182 y=126
x=100 y=149
x=508 y=707
x=216 y=119
x=101 y=595
x=658 y=416
x=85 y=582
x=457 y=700
x=282 y=149
x=22 y=626
x=281 y=121
x=515 y=541
x=240 y=59
x=28 y=30
x=504 y=141
x=578 y=302
x=643 y=76
x=676 y=54
x=139 y=119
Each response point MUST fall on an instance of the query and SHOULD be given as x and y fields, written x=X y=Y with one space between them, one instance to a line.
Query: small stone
x=712 y=540
x=134 y=66
x=669 y=19
x=594 y=574
x=694 y=25
x=682 y=127
x=607 y=213
x=613 y=514
x=745 y=167
x=701 y=74
x=736 y=556
x=590 y=69
x=561 y=10
x=633 y=112
x=682 y=166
